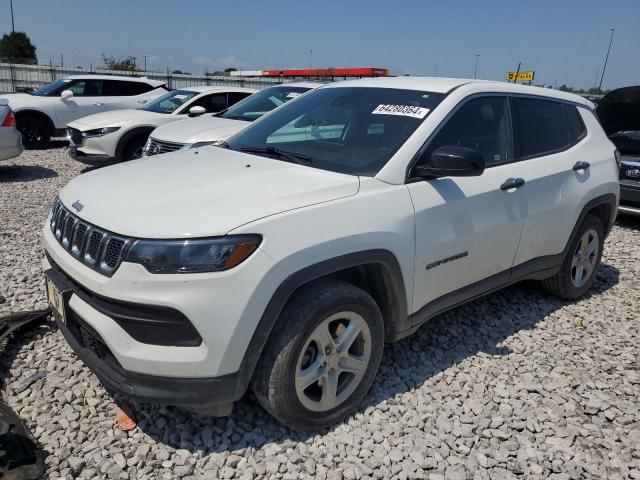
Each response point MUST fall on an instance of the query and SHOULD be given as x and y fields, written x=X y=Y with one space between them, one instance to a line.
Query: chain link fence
x=16 y=77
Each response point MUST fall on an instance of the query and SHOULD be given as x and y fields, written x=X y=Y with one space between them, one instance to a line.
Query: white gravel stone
x=515 y=385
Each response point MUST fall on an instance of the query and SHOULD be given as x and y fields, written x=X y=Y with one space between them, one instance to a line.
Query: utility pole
x=435 y=70
x=595 y=84
x=61 y=61
x=475 y=71
x=310 y=55
x=13 y=28
x=606 y=58
x=145 y=63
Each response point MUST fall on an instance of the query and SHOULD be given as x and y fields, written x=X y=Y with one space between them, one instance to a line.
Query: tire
x=568 y=283
x=36 y=132
x=133 y=149
x=293 y=348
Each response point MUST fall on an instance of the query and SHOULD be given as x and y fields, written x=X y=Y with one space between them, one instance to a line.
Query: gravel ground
x=519 y=384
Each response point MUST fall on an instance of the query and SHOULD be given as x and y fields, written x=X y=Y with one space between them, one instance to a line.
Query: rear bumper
x=213 y=396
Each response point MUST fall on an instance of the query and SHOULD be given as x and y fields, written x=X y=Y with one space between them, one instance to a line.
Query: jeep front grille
x=97 y=248
x=156 y=147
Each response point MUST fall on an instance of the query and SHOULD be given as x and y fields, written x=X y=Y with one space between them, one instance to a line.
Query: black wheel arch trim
x=130 y=135
x=27 y=112
x=381 y=257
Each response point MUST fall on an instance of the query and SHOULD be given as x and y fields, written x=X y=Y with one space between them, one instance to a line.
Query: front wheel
x=134 y=149
x=577 y=272
x=322 y=356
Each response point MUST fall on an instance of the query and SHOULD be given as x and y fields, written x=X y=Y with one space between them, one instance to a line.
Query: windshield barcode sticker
x=401 y=110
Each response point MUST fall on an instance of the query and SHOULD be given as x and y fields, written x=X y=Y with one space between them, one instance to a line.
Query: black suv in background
x=619 y=114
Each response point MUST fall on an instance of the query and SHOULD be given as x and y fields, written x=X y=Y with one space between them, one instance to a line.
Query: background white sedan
x=121 y=135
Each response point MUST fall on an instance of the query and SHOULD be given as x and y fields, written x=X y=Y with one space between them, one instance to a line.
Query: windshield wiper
x=290 y=156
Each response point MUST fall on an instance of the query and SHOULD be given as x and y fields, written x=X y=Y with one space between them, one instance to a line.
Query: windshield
x=50 y=88
x=169 y=102
x=351 y=130
x=264 y=101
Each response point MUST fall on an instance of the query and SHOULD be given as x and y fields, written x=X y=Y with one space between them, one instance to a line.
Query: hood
x=619 y=115
x=118 y=118
x=202 y=129
x=199 y=193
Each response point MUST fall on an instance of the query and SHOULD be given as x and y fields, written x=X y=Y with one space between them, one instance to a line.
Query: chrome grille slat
x=156 y=147
x=96 y=248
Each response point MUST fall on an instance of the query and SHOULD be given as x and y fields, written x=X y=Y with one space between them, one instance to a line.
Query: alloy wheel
x=585 y=258
x=333 y=361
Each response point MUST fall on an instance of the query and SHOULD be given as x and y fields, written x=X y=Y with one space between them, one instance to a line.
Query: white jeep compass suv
x=340 y=221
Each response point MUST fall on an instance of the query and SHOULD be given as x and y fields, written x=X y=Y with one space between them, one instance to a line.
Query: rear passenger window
x=123 y=88
x=482 y=124
x=575 y=124
x=540 y=125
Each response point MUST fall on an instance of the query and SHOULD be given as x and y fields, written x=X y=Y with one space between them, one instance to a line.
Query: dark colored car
x=619 y=114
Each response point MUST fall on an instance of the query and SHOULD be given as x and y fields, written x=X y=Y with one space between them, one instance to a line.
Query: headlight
x=193 y=256
x=203 y=144
x=99 y=132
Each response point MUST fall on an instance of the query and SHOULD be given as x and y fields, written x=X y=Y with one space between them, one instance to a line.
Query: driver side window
x=483 y=124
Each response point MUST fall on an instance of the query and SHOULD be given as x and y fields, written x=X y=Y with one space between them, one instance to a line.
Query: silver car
x=10 y=138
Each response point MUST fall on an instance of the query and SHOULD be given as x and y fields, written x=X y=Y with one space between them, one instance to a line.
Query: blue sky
x=564 y=41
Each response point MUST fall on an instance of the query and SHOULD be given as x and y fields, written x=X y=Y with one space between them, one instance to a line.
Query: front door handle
x=512 y=183
x=98 y=104
x=581 y=166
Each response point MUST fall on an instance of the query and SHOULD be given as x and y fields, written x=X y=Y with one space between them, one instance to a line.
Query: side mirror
x=451 y=162
x=66 y=95
x=195 y=111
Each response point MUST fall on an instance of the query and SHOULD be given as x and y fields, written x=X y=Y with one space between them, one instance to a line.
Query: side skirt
x=536 y=269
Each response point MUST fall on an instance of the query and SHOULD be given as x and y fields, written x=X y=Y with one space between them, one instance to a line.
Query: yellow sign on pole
x=524 y=76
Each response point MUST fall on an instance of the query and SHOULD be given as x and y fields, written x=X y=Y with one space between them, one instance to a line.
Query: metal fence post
x=12 y=74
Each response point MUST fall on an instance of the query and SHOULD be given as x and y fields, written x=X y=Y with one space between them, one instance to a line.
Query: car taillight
x=9 y=120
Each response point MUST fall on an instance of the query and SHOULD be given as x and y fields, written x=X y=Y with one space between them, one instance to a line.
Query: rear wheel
x=36 y=132
x=579 y=266
x=322 y=356
x=134 y=148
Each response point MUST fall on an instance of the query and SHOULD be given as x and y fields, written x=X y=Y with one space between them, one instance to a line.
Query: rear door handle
x=512 y=183
x=98 y=104
x=581 y=166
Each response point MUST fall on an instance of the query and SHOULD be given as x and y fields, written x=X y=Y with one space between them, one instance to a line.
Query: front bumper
x=212 y=396
x=629 y=197
x=88 y=158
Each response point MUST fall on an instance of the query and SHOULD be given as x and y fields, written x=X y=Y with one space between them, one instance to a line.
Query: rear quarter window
x=577 y=130
x=123 y=88
x=540 y=125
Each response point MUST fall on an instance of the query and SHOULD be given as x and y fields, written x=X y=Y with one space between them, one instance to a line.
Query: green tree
x=17 y=47
x=125 y=64
x=230 y=69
